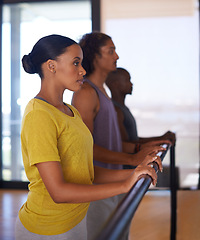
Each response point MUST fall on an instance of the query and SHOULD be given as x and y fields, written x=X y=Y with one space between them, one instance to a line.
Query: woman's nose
x=82 y=72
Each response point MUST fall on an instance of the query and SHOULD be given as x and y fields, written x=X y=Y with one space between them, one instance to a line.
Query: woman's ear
x=51 y=65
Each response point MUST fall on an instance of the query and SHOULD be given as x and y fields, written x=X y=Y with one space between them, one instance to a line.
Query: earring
x=52 y=69
x=51 y=66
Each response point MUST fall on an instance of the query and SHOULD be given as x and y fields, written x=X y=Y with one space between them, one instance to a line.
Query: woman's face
x=69 y=71
x=107 y=61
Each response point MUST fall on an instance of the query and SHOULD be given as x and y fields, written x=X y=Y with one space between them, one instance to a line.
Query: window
x=23 y=25
x=158 y=43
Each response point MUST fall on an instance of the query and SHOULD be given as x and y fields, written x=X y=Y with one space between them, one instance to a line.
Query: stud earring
x=52 y=69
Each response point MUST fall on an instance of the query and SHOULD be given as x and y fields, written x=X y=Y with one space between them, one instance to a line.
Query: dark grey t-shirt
x=129 y=122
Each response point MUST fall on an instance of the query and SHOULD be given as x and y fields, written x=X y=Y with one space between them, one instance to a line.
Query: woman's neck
x=51 y=93
x=59 y=104
x=54 y=96
x=50 y=98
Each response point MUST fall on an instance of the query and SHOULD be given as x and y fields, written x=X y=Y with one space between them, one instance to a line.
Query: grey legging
x=78 y=232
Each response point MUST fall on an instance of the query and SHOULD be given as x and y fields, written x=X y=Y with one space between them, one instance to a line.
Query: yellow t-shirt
x=49 y=135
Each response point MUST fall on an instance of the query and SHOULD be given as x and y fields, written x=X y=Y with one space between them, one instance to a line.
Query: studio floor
x=151 y=220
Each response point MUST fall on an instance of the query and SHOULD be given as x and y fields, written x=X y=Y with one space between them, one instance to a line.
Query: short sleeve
x=39 y=137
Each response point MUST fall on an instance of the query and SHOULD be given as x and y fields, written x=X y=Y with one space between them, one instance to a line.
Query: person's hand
x=155 y=143
x=146 y=167
x=140 y=156
x=152 y=158
x=170 y=136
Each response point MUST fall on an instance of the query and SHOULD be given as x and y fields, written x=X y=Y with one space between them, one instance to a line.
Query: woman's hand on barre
x=146 y=167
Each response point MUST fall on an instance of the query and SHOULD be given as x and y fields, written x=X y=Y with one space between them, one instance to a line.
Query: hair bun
x=28 y=64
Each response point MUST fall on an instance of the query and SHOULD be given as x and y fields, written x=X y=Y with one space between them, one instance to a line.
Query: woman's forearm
x=117 y=183
x=66 y=192
x=80 y=193
x=104 y=175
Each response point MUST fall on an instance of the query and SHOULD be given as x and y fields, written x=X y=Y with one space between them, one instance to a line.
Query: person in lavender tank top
x=98 y=113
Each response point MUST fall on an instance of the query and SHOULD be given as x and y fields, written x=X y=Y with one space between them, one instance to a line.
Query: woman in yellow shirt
x=57 y=150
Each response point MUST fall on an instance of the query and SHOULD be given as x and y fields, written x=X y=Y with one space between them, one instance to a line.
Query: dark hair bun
x=28 y=65
x=48 y=47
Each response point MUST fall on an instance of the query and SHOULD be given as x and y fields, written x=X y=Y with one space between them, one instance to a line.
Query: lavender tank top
x=106 y=131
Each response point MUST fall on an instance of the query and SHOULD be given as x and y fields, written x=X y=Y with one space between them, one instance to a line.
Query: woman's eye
x=76 y=63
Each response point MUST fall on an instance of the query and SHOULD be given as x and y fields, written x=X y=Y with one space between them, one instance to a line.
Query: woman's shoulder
x=38 y=109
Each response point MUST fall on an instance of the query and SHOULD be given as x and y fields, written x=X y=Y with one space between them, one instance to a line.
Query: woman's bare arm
x=116 y=183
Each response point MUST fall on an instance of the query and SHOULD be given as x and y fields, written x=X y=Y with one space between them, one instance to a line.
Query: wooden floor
x=10 y=203
x=151 y=221
x=152 y=218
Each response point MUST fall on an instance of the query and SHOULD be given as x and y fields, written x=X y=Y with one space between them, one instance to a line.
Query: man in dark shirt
x=119 y=83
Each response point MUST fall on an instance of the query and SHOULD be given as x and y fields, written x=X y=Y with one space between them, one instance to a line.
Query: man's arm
x=167 y=136
x=87 y=102
x=129 y=147
x=142 y=140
